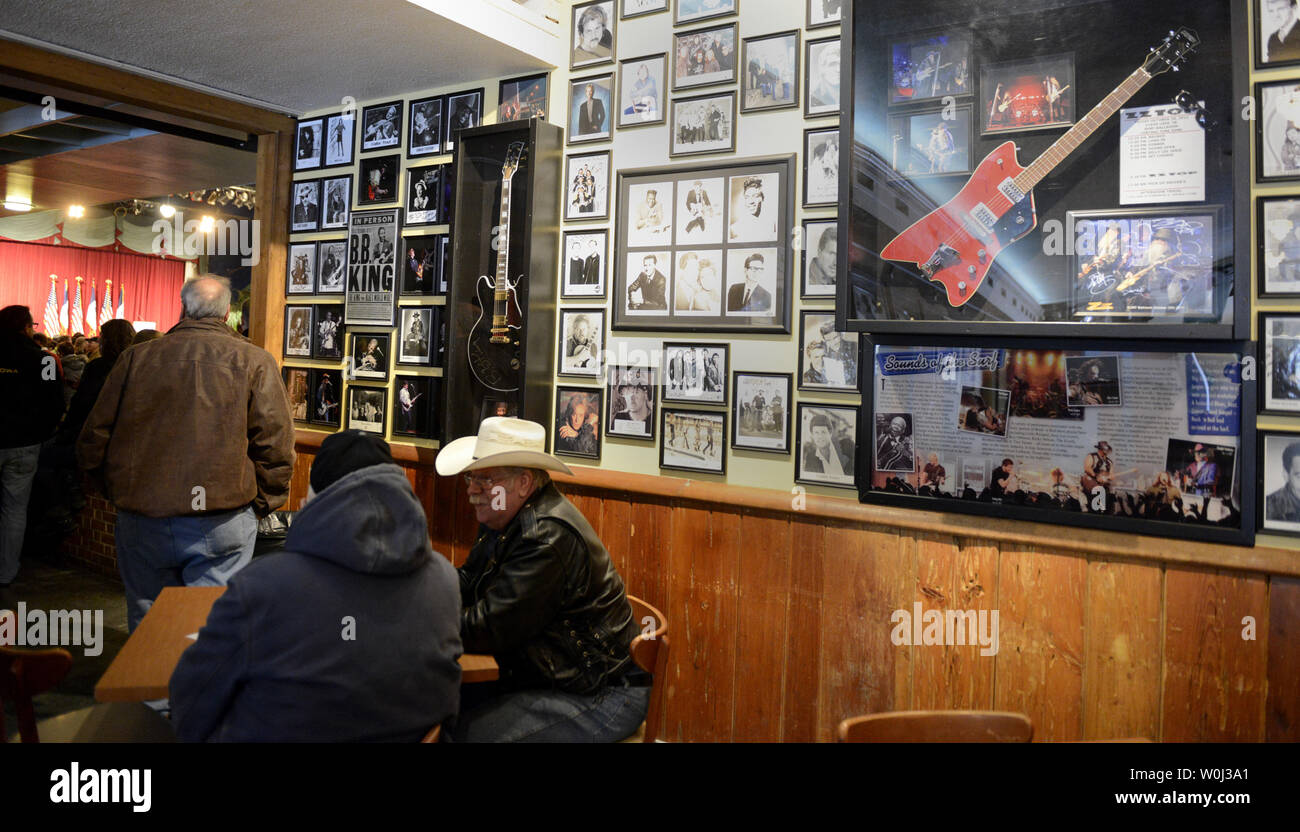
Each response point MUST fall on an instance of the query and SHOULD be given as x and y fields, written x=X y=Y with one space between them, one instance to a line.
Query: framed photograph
x=297 y=382
x=751 y=281
x=693 y=440
x=587 y=180
x=377 y=181
x=579 y=412
x=326 y=390
x=647 y=292
x=327 y=331
x=590 y=106
x=828 y=359
x=926 y=69
x=424 y=196
x=464 y=110
x=824 y=13
x=689 y=11
x=332 y=260
x=1279 y=362
x=704 y=57
x=820 y=252
x=925 y=143
x=827 y=445
x=584 y=268
x=821 y=95
x=1278 y=482
x=821 y=174
x=381 y=126
x=418 y=331
x=337 y=199
x=703 y=124
x=417 y=410
x=369 y=357
x=695 y=373
x=308 y=145
x=304 y=216
x=422 y=263
x=651 y=223
x=426 y=127
x=753 y=208
x=367 y=409
x=639 y=8
x=631 y=402
x=371 y=290
x=641 y=85
x=1034 y=94
x=700 y=205
x=301 y=270
x=582 y=341
x=1277 y=227
x=1277 y=39
x=1277 y=131
x=523 y=98
x=760 y=417
x=297 y=332
x=340 y=141
x=771 y=72
x=593 y=34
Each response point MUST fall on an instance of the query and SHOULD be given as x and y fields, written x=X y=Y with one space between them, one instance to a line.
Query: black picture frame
x=683 y=56
x=376 y=367
x=684 y=124
x=621 y=377
x=916 y=160
x=427 y=178
x=297 y=386
x=1279 y=390
x=321 y=333
x=1273 y=499
x=575 y=133
x=575 y=195
x=824 y=19
x=339 y=133
x=811 y=255
x=302 y=265
x=604 y=51
x=424 y=411
x=567 y=397
x=1277 y=152
x=1023 y=81
x=697 y=394
x=654 y=7
x=1263 y=32
x=333 y=280
x=422 y=143
x=910 y=58
x=673 y=418
x=743 y=412
x=824 y=46
x=750 y=84
x=725 y=8
x=523 y=97
x=297 y=331
x=1272 y=263
x=431 y=322
x=326 y=399
x=635 y=100
x=356 y=396
x=823 y=154
x=575 y=278
x=385 y=122
x=596 y=330
x=804 y=460
x=384 y=190
x=423 y=257
x=849 y=355
x=304 y=217
x=335 y=202
x=464 y=110
x=307 y=155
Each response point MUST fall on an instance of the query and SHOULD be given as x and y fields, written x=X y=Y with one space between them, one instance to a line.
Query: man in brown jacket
x=192 y=439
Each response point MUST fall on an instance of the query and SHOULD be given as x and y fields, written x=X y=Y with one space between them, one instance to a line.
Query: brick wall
x=91 y=543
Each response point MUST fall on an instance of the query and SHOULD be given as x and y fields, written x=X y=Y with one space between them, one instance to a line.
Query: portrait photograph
x=337 y=198
x=416 y=410
x=820 y=256
x=760 y=418
x=692 y=10
x=930 y=68
x=893 y=440
x=297 y=332
x=366 y=409
x=522 y=98
x=1277 y=35
x=1277 y=131
x=637 y=8
x=301 y=269
x=326 y=393
x=1093 y=381
x=1278 y=228
x=1279 y=470
x=822 y=84
x=464 y=110
x=593 y=34
x=579 y=412
x=584 y=264
x=1201 y=469
x=751 y=281
x=651 y=223
x=699 y=211
x=1279 y=336
x=821 y=175
x=307 y=144
x=590 y=108
x=377 y=180
x=418 y=329
x=426 y=127
x=755 y=206
x=828 y=358
x=769 y=72
x=423 y=196
x=1037 y=94
x=693 y=440
x=647 y=282
x=983 y=410
x=587 y=180
x=695 y=373
x=641 y=84
x=422 y=264
x=332 y=259
x=304 y=215
x=927 y=143
x=703 y=124
x=824 y=13
x=297 y=384
x=327 y=332
x=370 y=351
x=381 y=126
x=827 y=445
x=704 y=57
x=697 y=282
x=631 y=402
x=339 y=140
x=582 y=341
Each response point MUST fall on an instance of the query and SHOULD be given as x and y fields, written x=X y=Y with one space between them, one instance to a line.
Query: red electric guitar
x=955 y=244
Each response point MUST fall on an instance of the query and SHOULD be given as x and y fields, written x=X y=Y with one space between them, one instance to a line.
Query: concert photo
x=381 y=126
x=422 y=263
x=327 y=332
x=370 y=352
x=377 y=180
x=925 y=142
x=522 y=98
x=1093 y=381
x=333 y=257
x=1034 y=94
x=930 y=68
x=326 y=390
x=426 y=127
x=416 y=409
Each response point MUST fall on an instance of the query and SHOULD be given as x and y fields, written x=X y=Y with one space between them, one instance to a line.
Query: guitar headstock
x=514 y=155
x=1170 y=54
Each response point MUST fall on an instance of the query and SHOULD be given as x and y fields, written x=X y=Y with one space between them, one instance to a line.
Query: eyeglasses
x=485 y=483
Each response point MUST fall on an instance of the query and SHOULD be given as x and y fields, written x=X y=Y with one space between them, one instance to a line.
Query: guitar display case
x=481 y=377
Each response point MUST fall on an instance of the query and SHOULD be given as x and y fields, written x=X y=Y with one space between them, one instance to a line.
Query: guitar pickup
x=1007 y=187
x=943 y=257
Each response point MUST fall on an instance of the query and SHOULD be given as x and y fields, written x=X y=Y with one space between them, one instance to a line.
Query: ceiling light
x=207 y=224
x=12 y=204
x=167 y=210
x=76 y=211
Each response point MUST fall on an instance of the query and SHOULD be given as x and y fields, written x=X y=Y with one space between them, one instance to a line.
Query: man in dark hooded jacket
x=352 y=633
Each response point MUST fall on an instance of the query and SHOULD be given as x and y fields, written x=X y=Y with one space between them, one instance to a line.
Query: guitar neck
x=503 y=240
x=1085 y=127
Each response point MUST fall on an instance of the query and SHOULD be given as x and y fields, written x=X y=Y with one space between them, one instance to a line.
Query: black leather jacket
x=543 y=597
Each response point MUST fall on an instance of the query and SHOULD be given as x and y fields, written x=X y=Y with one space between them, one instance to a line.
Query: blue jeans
x=17 y=470
x=611 y=714
x=154 y=552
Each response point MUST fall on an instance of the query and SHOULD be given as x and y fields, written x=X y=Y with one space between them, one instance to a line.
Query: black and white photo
x=1280 y=476
x=370 y=355
x=582 y=341
x=423 y=195
x=584 y=264
x=593 y=34
x=377 y=181
x=337 y=201
x=381 y=126
x=415 y=412
x=416 y=334
x=297 y=332
x=647 y=284
x=822 y=87
x=631 y=402
x=591 y=108
x=1279 y=335
x=760 y=418
x=373 y=267
x=308 y=148
x=651 y=223
x=1277 y=33
x=1278 y=230
x=464 y=110
x=769 y=72
x=637 y=8
x=699 y=211
x=820 y=252
x=703 y=124
x=301 y=269
x=697 y=282
x=751 y=281
x=827 y=444
x=641 y=85
x=422 y=263
x=327 y=331
x=821 y=179
x=426 y=127
x=339 y=139
x=305 y=213
x=693 y=440
x=695 y=373
x=828 y=358
x=326 y=397
x=578 y=415
x=1277 y=126
x=704 y=57
x=297 y=381
x=690 y=10
x=894 y=443
x=366 y=409
x=755 y=205
x=824 y=13
x=587 y=192
x=332 y=260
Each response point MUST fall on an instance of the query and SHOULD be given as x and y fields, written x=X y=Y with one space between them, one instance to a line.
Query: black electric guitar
x=494 y=345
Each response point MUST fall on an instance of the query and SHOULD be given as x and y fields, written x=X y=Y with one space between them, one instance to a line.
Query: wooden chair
x=434 y=735
x=650 y=652
x=937 y=726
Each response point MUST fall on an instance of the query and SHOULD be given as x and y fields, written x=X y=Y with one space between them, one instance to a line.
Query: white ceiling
x=289 y=55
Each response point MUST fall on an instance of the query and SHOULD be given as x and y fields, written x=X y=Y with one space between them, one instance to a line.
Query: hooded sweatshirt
x=350 y=634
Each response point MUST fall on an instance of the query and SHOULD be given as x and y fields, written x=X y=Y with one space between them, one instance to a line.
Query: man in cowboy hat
x=539 y=593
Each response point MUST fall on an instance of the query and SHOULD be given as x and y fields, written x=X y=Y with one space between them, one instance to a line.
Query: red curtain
x=153 y=285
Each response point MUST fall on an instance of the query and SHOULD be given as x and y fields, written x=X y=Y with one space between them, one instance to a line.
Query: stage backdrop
x=153 y=285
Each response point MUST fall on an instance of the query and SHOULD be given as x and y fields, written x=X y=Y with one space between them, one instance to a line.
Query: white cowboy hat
x=501 y=442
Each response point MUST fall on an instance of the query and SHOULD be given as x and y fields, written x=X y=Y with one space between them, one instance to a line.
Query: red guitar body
x=956 y=243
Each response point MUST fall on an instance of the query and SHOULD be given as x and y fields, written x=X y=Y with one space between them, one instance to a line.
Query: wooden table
x=143 y=667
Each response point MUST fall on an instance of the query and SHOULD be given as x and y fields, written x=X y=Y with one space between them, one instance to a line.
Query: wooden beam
x=266 y=289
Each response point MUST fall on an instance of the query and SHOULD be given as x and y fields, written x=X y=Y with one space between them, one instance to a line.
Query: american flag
x=106 y=311
x=78 y=323
x=92 y=312
x=121 y=301
x=52 y=328
x=63 y=312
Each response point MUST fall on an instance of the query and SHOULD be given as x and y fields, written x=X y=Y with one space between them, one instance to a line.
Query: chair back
x=24 y=674
x=938 y=726
x=650 y=652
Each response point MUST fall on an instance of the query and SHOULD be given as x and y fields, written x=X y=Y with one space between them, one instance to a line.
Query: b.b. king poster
x=372 y=267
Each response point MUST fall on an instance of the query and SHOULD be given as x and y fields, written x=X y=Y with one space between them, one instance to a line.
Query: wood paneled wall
x=780 y=622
